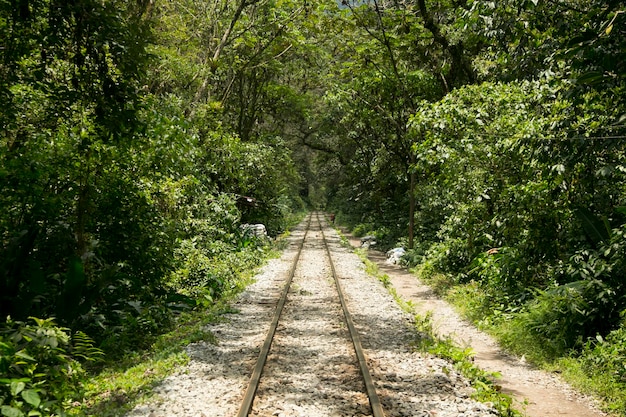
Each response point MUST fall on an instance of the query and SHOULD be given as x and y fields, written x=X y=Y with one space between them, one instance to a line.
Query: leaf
x=608 y=29
x=10 y=411
x=8 y=381
x=31 y=397
x=24 y=355
x=590 y=78
x=605 y=171
x=17 y=387
x=595 y=228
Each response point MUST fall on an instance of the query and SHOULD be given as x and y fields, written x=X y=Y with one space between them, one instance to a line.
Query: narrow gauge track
x=311 y=314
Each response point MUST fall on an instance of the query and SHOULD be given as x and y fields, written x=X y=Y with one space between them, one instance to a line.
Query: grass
x=438 y=282
x=601 y=383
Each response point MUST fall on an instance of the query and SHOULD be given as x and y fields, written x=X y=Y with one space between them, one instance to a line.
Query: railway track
x=311 y=367
x=312 y=314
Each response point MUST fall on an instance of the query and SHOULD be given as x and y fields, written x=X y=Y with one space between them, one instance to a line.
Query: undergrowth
x=41 y=367
x=119 y=386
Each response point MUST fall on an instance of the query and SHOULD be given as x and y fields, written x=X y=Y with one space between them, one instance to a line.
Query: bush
x=564 y=317
x=40 y=371
x=501 y=270
x=606 y=355
x=449 y=256
x=413 y=257
x=134 y=324
x=362 y=229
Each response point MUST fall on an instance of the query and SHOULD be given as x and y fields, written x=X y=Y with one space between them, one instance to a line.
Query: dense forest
x=486 y=137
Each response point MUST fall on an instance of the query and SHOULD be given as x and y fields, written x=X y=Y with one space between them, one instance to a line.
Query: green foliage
x=564 y=317
x=413 y=257
x=133 y=325
x=514 y=156
x=361 y=230
x=605 y=359
x=449 y=256
x=112 y=182
x=595 y=368
x=512 y=224
x=71 y=76
x=41 y=374
x=136 y=138
x=515 y=161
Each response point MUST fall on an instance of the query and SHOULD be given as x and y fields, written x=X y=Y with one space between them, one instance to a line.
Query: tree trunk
x=411 y=206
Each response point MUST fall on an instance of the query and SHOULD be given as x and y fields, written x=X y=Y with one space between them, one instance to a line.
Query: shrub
x=606 y=355
x=499 y=269
x=40 y=371
x=413 y=257
x=135 y=324
x=449 y=256
x=362 y=229
x=564 y=317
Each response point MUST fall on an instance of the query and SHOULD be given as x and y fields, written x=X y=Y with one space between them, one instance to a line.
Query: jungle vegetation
x=486 y=137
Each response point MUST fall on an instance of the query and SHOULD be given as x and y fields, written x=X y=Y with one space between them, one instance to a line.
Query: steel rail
x=377 y=409
x=253 y=385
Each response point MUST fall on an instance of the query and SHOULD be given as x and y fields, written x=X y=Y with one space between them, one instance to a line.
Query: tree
x=71 y=73
x=387 y=81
